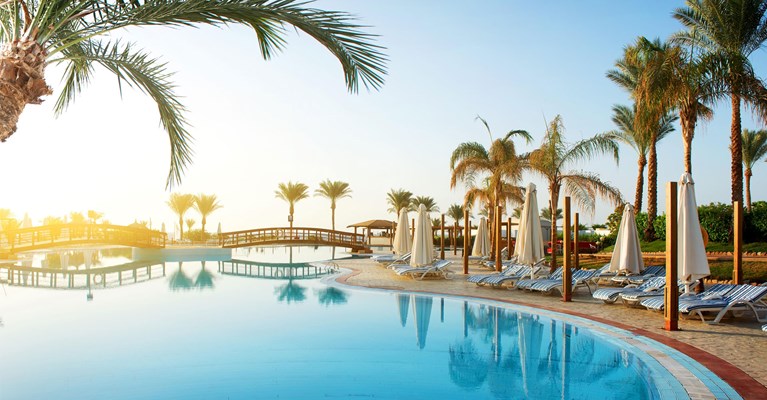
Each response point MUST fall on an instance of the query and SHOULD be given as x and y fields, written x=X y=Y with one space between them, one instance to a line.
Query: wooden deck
x=48 y=236
x=292 y=236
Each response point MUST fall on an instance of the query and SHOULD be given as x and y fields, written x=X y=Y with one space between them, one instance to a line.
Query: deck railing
x=296 y=235
x=47 y=236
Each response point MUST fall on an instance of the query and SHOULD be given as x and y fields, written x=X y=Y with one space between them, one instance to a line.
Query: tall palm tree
x=729 y=31
x=189 y=224
x=333 y=190
x=398 y=199
x=546 y=214
x=455 y=211
x=77 y=217
x=500 y=165
x=94 y=216
x=180 y=204
x=551 y=159
x=639 y=140
x=206 y=204
x=427 y=201
x=77 y=36
x=292 y=193
x=643 y=72
x=754 y=149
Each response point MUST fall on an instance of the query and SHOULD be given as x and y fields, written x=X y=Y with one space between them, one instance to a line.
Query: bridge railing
x=287 y=235
x=63 y=234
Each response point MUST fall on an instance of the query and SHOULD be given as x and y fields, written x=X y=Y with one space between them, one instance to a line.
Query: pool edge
x=745 y=385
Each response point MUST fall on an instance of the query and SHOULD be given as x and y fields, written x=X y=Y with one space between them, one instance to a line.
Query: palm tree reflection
x=290 y=292
x=331 y=295
x=468 y=369
x=178 y=280
x=204 y=279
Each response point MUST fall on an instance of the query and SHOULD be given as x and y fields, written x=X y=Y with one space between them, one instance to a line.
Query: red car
x=583 y=247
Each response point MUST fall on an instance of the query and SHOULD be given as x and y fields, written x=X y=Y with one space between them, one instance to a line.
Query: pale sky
x=259 y=123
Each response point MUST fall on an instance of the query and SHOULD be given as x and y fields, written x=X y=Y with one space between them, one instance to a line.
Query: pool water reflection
x=198 y=334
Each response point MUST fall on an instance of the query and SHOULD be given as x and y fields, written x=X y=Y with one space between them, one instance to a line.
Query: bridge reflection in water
x=262 y=270
x=57 y=278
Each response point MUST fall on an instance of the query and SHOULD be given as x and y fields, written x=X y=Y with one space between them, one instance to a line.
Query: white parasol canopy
x=482 y=241
x=529 y=246
x=402 y=240
x=692 y=260
x=627 y=255
x=423 y=241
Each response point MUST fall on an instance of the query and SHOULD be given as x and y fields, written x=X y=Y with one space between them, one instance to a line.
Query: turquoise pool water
x=230 y=337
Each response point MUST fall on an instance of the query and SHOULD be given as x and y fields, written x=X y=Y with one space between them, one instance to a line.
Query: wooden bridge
x=47 y=236
x=292 y=236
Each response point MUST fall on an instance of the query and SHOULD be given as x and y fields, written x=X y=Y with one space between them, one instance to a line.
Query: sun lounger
x=522 y=274
x=648 y=273
x=741 y=298
x=611 y=295
x=580 y=278
x=633 y=298
x=388 y=259
x=528 y=283
x=764 y=328
x=713 y=291
x=509 y=270
x=438 y=268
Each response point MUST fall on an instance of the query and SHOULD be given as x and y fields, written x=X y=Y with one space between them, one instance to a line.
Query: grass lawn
x=660 y=246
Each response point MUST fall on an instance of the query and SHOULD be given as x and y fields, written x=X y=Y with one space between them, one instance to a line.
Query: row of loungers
x=522 y=277
x=399 y=264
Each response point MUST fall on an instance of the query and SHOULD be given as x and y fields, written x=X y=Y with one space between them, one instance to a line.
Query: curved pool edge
x=739 y=381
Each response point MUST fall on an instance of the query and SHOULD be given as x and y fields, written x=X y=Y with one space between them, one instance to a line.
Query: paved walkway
x=737 y=341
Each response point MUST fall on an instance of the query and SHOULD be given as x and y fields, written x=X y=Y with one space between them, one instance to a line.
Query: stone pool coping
x=362 y=276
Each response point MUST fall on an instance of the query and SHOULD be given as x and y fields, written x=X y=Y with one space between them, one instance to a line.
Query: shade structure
x=627 y=255
x=423 y=240
x=529 y=246
x=530 y=338
x=163 y=228
x=403 y=305
x=422 y=316
x=403 y=243
x=218 y=231
x=692 y=261
x=481 y=246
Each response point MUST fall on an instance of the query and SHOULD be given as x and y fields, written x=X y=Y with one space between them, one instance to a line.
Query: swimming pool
x=239 y=338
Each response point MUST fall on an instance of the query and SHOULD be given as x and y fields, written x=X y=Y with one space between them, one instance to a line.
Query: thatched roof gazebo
x=379 y=224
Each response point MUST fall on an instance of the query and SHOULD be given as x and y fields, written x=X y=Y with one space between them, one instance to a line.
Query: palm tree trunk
x=640 y=183
x=333 y=218
x=688 y=132
x=554 y=192
x=736 y=147
x=181 y=226
x=748 y=174
x=652 y=190
x=203 y=227
x=22 y=81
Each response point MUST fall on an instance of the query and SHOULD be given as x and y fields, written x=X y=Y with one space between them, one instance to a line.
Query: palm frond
x=585 y=187
x=587 y=148
x=137 y=69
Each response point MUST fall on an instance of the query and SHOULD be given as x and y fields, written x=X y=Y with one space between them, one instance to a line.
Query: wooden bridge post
x=567 y=275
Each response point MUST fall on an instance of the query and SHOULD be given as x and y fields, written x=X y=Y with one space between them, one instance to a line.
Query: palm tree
x=333 y=190
x=639 y=140
x=94 y=216
x=427 y=201
x=205 y=204
x=75 y=35
x=546 y=214
x=643 y=72
x=551 y=159
x=729 y=31
x=501 y=166
x=180 y=204
x=292 y=193
x=189 y=224
x=77 y=217
x=398 y=199
x=455 y=211
x=754 y=148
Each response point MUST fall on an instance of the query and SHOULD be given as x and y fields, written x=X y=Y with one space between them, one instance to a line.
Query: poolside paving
x=739 y=341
